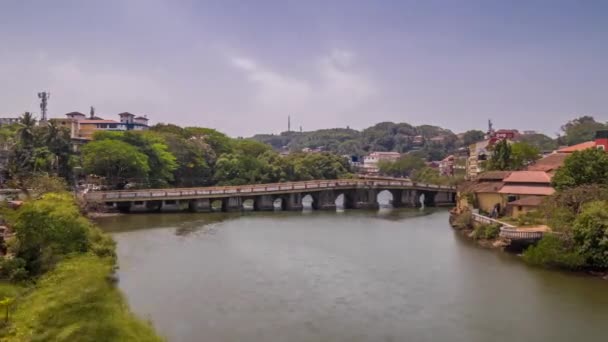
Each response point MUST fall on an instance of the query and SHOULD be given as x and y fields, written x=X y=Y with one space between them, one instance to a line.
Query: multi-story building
x=83 y=128
x=370 y=162
x=478 y=153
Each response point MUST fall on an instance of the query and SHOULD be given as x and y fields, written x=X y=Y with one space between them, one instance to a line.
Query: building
x=370 y=162
x=8 y=121
x=478 y=153
x=446 y=166
x=83 y=128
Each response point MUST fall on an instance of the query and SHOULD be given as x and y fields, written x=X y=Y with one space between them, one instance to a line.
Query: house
x=482 y=193
x=446 y=166
x=524 y=205
x=83 y=128
x=370 y=162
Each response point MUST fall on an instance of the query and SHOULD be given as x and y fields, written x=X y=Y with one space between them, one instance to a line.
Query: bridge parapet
x=259 y=189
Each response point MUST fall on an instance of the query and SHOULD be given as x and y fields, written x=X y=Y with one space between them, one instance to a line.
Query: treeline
x=168 y=155
x=435 y=143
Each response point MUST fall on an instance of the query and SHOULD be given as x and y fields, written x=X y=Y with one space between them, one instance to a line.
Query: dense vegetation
x=512 y=156
x=169 y=155
x=67 y=265
x=578 y=213
x=431 y=142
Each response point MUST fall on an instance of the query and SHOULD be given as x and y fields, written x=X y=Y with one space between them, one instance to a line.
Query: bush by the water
x=49 y=228
x=486 y=231
x=554 y=251
x=590 y=233
x=463 y=220
x=76 y=302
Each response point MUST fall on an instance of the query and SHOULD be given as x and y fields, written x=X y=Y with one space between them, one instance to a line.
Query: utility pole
x=44 y=100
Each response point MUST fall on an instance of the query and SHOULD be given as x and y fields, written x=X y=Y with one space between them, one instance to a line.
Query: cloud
x=333 y=88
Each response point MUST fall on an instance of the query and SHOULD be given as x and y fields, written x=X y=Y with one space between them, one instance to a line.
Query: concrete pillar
x=138 y=207
x=202 y=205
x=410 y=198
x=293 y=201
x=172 y=205
x=232 y=204
x=264 y=202
x=365 y=199
x=326 y=200
x=397 y=198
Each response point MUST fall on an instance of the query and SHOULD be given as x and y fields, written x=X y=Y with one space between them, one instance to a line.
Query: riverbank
x=60 y=281
x=487 y=236
x=77 y=301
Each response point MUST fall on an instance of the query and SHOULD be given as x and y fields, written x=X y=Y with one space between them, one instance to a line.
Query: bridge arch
x=309 y=202
x=385 y=199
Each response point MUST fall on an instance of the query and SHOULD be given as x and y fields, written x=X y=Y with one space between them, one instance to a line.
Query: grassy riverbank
x=76 y=302
x=66 y=264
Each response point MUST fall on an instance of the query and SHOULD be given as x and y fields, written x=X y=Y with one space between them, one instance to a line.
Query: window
x=112 y=125
x=519 y=208
x=511 y=198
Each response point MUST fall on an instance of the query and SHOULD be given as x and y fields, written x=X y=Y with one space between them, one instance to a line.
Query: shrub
x=463 y=221
x=590 y=232
x=530 y=218
x=554 y=251
x=13 y=269
x=486 y=232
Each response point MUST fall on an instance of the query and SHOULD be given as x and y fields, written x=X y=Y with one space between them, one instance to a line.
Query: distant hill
x=431 y=142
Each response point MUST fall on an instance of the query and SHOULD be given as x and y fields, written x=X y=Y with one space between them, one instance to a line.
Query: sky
x=243 y=67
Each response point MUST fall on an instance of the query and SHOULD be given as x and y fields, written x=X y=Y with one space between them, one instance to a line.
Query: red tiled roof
x=549 y=163
x=527 y=190
x=528 y=177
x=530 y=201
x=578 y=147
x=494 y=175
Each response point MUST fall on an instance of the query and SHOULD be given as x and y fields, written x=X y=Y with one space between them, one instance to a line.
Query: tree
x=402 y=167
x=27 y=124
x=562 y=208
x=472 y=136
x=47 y=229
x=540 y=141
x=580 y=130
x=523 y=154
x=116 y=160
x=582 y=167
x=501 y=157
x=590 y=234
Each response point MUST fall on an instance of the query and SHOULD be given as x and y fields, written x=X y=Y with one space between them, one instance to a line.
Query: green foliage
x=554 y=251
x=580 y=130
x=463 y=220
x=472 y=136
x=13 y=269
x=486 y=232
x=522 y=155
x=540 y=141
x=530 y=218
x=47 y=229
x=501 y=157
x=590 y=233
x=561 y=208
x=76 y=302
x=585 y=167
x=116 y=160
x=402 y=167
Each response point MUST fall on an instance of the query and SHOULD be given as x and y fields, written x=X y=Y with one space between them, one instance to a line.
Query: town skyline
x=243 y=68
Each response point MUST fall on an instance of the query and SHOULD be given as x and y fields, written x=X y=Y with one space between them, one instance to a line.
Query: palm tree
x=25 y=133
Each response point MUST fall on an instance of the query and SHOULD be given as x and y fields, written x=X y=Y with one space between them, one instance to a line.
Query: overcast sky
x=243 y=66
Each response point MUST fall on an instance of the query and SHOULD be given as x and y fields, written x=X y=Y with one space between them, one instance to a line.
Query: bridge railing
x=256 y=189
x=518 y=234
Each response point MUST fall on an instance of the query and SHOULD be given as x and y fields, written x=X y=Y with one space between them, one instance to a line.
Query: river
x=401 y=275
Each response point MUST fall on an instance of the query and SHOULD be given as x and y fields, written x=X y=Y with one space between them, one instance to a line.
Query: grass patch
x=76 y=302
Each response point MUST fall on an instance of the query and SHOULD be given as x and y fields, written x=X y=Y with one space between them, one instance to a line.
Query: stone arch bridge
x=357 y=193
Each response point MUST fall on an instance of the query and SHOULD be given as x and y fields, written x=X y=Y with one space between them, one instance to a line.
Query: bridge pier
x=293 y=202
x=365 y=199
x=410 y=198
x=397 y=198
x=202 y=205
x=232 y=204
x=264 y=203
x=173 y=205
x=443 y=198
